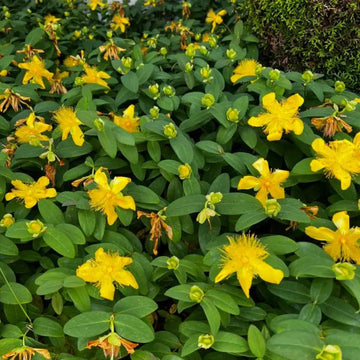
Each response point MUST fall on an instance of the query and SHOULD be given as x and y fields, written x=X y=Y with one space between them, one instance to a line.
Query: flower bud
x=29 y=11
x=208 y=100
x=274 y=75
x=184 y=171
x=214 y=198
x=77 y=33
x=204 y=51
x=109 y=34
x=205 y=341
x=91 y=36
x=330 y=352
x=173 y=263
x=154 y=90
x=258 y=69
x=170 y=131
x=272 y=207
x=99 y=124
x=35 y=228
x=154 y=112
x=3 y=72
x=7 y=15
x=163 y=51
x=339 y=86
x=190 y=51
x=51 y=156
x=84 y=30
x=350 y=105
x=188 y=67
x=344 y=271
x=212 y=41
x=197 y=37
x=79 y=81
x=7 y=220
x=232 y=115
x=127 y=62
x=205 y=214
x=66 y=14
x=168 y=91
x=196 y=294
x=205 y=73
x=114 y=339
x=231 y=54
x=307 y=76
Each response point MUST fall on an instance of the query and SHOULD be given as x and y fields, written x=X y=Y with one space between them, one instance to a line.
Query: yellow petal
x=235 y=78
x=259 y=120
x=43 y=181
x=50 y=193
x=321 y=233
x=101 y=179
x=30 y=202
x=297 y=126
x=9 y=196
x=126 y=202
x=280 y=176
x=321 y=148
x=341 y=220
x=293 y=103
x=276 y=191
x=226 y=271
x=248 y=182
x=129 y=112
x=89 y=273
x=262 y=166
x=107 y=289
x=119 y=183
x=268 y=273
x=77 y=135
x=270 y=103
x=262 y=195
x=111 y=215
x=125 y=277
x=316 y=165
x=245 y=276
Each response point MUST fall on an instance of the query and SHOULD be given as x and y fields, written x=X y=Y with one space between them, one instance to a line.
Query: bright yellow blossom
x=215 y=19
x=69 y=123
x=279 y=116
x=246 y=68
x=268 y=182
x=245 y=256
x=104 y=270
x=51 y=19
x=95 y=3
x=339 y=158
x=119 y=21
x=128 y=122
x=35 y=71
x=32 y=132
x=107 y=196
x=93 y=76
x=26 y=353
x=31 y=193
x=342 y=244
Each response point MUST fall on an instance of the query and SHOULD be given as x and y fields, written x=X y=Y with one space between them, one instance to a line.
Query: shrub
x=140 y=213
x=320 y=35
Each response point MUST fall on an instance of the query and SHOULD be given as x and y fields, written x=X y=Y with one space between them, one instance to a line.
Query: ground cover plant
x=165 y=195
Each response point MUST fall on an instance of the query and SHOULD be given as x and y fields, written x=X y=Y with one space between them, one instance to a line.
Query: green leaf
x=131 y=82
x=250 y=218
x=279 y=244
x=139 y=306
x=7 y=247
x=87 y=221
x=308 y=266
x=223 y=301
x=50 y=212
x=179 y=292
x=17 y=293
x=73 y=232
x=133 y=329
x=212 y=314
x=186 y=205
x=295 y=345
x=183 y=148
x=59 y=241
x=34 y=36
x=229 y=342
x=80 y=297
x=290 y=210
x=144 y=73
x=8 y=345
x=67 y=149
x=237 y=203
x=108 y=140
x=88 y=324
x=47 y=327
x=256 y=341
x=291 y=291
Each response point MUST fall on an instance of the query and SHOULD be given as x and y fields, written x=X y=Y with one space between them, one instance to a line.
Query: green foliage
x=319 y=35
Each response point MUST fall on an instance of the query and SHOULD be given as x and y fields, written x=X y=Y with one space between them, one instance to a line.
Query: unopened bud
x=109 y=34
x=232 y=115
x=188 y=67
x=212 y=41
x=307 y=76
x=170 y=131
x=204 y=51
x=214 y=198
x=79 y=81
x=154 y=90
x=184 y=171
x=205 y=341
x=205 y=73
x=205 y=214
x=274 y=75
x=173 y=263
x=190 y=51
x=196 y=294
x=154 y=112
x=99 y=124
x=272 y=207
x=208 y=100
x=168 y=91
x=330 y=352
x=127 y=62
x=163 y=51
x=77 y=33
x=231 y=54
x=35 y=228
x=344 y=271
x=339 y=86
x=7 y=220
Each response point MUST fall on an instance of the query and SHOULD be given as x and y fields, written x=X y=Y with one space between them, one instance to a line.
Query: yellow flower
x=246 y=68
x=32 y=132
x=71 y=61
x=31 y=193
x=104 y=270
x=26 y=353
x=268 y=183
x=342 y=244
x=3 y=73
x=120 y=21
x=69 y=123
x=128 y=122
x=339 y=158
x=93 y=76
x=279 y=117
x=107 y=196
x=51 y=19
x=215 y=19
x=95 y=3
x=35 y=72
x=245 y=256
